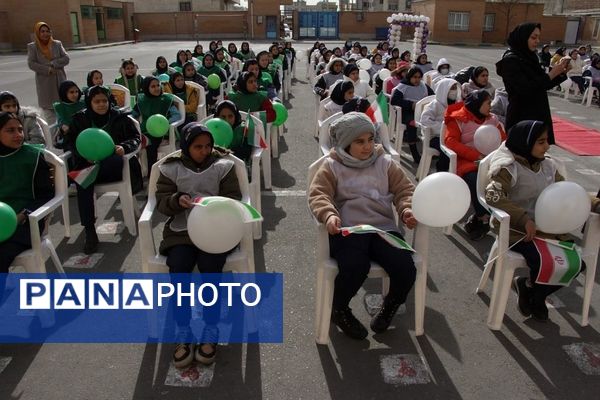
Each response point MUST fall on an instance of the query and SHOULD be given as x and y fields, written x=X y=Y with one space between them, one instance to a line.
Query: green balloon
x=281 y=114
x=8 y=221
x=213 y=81
x=221 y=131
x=163 y=78
x=266 y=78
x=178 y=69
x=94 y=144
x=157 y=125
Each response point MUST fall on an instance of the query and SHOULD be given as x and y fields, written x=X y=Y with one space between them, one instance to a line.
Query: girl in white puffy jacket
x=361 y=88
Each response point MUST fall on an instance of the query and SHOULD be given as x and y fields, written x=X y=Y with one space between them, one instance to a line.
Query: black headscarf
x=517 y=40
x=174 y=88
x=339 y=90
x=474 y=101
x=230 y=105
x=522 y=137
x=64 y=88
x=4 y=118
x=146 y=86
x=475 y=74
x=357 y=104
x=189 y=133
x=160 y=70
x=242 y=81
x=411 y=72
x=7 y=96
x=90 y=76
x=98 y=120
x=404 y=53
x=349 y=68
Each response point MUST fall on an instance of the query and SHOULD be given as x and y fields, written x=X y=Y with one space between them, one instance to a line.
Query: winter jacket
x=500 y=104
x=433 y=113
x=31 y=128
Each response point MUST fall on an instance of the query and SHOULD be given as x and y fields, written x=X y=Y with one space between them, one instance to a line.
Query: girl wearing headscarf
x=199 y=170
x=189 y=95
x=405 y=56
x=122 y=130
x=129 y=77
x=479 y=80
x=247 y=98
x=359 y=184
x=558 y=55
x=25 y=185
x=95 y=78
x=335 y=72
x=396 y=76
x=212 y=47
x=326 y=55
x=545 y=56
x=191 y=74
x=519 y=172
x=526 y=81
x=162 y=67
x=70 y=103
x=423 y=64
x=290 y=53
x=341 y=92
x=462 y=120
x=391 y=64
x=376 y=65
x=47 y=57
x=406 y=95
x=228 y=111
x=153 y=101
x=245 y=52
x=32 y=131
x=576 y=70
x=265 y=82
x=268 y=68
x=233 y=50
x=198 y=52
x=208 y=68
x=180 y=59
x=361 y=89
x=222 y=63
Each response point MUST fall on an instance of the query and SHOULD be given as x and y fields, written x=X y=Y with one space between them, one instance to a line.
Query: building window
x=596 y=31
x=458 y=21
x=114 y=13
x=87 y=12
x=488 y=22
x=185 y=6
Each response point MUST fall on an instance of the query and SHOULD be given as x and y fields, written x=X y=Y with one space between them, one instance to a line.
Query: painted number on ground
x=404 y=369
x=586 y=356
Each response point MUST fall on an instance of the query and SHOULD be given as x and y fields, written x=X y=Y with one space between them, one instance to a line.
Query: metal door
x=318 y=25
x=571 y=32
x=272 y=27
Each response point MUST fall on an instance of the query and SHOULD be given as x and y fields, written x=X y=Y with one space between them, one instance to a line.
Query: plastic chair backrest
x=121 y=94
x=420 y=106
x=324 y=139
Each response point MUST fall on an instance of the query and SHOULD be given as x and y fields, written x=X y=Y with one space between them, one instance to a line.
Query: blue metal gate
x=318 y=25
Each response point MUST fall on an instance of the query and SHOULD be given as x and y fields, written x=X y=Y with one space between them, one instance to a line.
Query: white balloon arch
x=419 y=22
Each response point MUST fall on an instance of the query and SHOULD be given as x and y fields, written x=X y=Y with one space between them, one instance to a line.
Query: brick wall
x=581 y=5
x=588 y=29
x=351 y=28
x=210 y=25
x=4 y=31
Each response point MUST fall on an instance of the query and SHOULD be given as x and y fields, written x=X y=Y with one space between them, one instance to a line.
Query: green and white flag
x=393 y=240
x=249 y=213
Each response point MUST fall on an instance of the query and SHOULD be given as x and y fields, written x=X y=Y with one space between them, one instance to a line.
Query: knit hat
x=345 y=130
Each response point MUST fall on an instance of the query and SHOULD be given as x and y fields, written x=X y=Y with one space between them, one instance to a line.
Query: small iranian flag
x=85 y=177
x=249 y=213
x=560 y=262
x=379 y=111
x=393 y=240
x=254 y=137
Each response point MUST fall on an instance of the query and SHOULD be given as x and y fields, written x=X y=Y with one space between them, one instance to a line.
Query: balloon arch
x=419 y=22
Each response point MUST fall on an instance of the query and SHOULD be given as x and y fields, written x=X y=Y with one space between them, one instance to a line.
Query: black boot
x=382 y=320
x=91 y=240
x=523 y=295
x=349 y=324
x=414 y=151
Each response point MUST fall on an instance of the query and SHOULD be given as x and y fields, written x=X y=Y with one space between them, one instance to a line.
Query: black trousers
x=443 y=162
x=354 y=254
x=182 y=259
x=532 y=258
x=111 y=170
x=152 y=151
x=471 y=179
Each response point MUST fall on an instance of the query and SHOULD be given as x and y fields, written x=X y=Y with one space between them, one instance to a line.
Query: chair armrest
x=65 y=156
x=128 y=156
x=591 y=233
x=452 y=156
x=46 y=209
x=147 y=245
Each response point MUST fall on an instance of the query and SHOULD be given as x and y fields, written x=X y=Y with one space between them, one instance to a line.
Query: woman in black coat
x=525 y=79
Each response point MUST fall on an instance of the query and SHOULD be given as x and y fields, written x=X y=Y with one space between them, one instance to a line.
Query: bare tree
x=506 y=8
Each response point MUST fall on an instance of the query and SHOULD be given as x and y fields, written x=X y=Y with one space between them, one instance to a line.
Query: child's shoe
x=382 y=320
x=183 y=355
x=524 y=295
x=348 y=323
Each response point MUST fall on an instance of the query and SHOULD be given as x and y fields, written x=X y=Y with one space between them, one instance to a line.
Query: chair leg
x=256 y=202
x=274 y=134
x=489 y=266
x=66 y=217
x=325 y=282
x=54 y=257
x=420 y=292
x=448 y=230
x=266 y=168
x=128 y=210
x=590 y=275
x=502 y=282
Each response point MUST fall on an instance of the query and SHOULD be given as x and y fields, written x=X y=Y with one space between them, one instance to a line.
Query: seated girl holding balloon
x=266 y=67
x=228 y=111
x=248 y=98
x=406 y=95
x=210 y=71
x=25 y=185
x=153 y=101
x=264 y=79
x=129 y=77
x=519 y=172
x=200 y=170
x=101 y=153
x=359 y=184
x=462 y=136
x=70 y=103
x=187 y=93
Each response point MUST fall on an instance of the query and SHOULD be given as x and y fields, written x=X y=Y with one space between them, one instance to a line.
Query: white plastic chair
x=428 y=152
x=170 y=145
x=427 y=77
x=201 y=110
x=255 y=160
x=567 y=86
x=452 y=156
x=34 y=259
x=240 y=260
x=327 y=270
x=63 y=156
x=508 y=260
x=590 y=91
x=121 y=94
x=129 y=205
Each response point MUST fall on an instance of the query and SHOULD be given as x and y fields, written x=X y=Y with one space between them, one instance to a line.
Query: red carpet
x=576 y=138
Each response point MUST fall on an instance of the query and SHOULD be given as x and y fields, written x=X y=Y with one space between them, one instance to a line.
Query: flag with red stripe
x=254 y=135
x=379 y=111
x=85 y=177
x=560 y=262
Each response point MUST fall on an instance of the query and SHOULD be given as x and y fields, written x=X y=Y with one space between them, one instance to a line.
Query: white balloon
x=562 y=207
x=364 y=75
x=364 y=64
x=394 y=15
x=441 y=199
x=216 y=227
x=427 y=19
x=421 y=25
x=384 y=74
x=389 y=20
x=487 y=139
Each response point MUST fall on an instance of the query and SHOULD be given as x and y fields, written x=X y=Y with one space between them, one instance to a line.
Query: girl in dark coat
x=525 y=79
